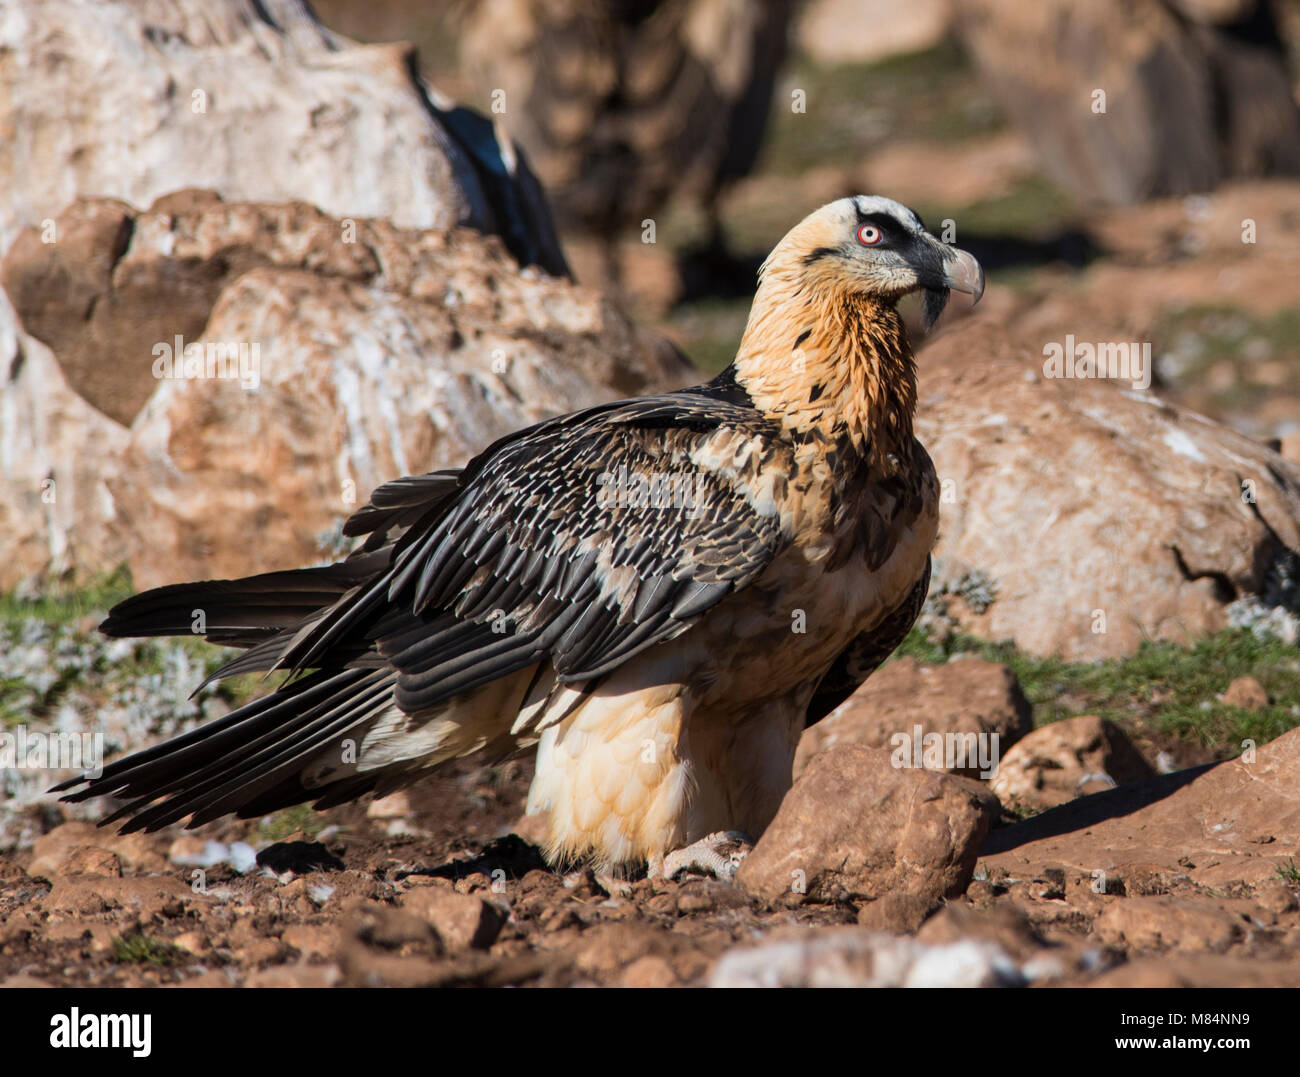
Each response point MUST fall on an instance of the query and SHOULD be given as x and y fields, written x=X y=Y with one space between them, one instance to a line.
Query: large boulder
x=253 y=99
x=56 y=509
x=371 y=351
x=969 y=698
x=855 y=827
x=1081 y=516
x=1138 y=98
x=620 y=106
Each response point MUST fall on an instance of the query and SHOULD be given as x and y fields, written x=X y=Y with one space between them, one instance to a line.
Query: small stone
x=894 y=912
x=649 y=971
x=243 y=857
x=1065 y=760
x=312 y=940
x=299 y=974
x=1273 y=895
x=662 y=904
x=1162 y=923
x=460 y=921
x=91 y=860
x=1246 y=693
x=320 y=893
x=192 y=942
x=394 y=806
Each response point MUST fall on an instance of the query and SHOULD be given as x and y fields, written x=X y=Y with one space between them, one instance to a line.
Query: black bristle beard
x=932 y=306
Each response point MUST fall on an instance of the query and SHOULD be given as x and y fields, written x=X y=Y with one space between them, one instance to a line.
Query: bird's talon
x=718 y=854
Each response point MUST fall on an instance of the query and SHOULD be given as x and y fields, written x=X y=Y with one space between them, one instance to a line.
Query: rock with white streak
x=255 y=100
x=1091 y=514
x=852 y=957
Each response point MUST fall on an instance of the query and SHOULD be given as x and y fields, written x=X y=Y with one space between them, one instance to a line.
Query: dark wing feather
x=524 y=556
x=581 y=542
x=396 y=505
x=240 y=613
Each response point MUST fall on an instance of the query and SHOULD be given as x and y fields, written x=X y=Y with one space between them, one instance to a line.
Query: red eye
x=869 y=235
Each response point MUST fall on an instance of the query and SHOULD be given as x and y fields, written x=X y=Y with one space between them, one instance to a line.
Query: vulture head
x=878 y=247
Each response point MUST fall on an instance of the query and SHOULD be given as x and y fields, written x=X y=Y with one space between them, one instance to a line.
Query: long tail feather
x=255 y=755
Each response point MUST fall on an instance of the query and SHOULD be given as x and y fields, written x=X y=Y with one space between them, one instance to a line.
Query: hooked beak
x=962 y=273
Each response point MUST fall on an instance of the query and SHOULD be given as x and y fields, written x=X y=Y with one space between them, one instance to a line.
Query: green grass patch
x=1165 y=687
x=930 y=95
x=139 y=949
x=53 y=652
x=1034 y=208
x=287 y=821
x=67 y=604
x=1201 y=339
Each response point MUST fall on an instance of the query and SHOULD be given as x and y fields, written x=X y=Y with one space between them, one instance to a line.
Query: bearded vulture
x=655 y=595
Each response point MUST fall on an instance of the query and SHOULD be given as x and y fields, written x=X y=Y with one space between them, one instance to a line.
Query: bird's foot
x=613 y=886
x=718 y=855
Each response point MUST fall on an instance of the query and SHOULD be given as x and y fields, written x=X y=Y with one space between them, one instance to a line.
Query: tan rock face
x=56 y=512
x=1235 y=114
x=1229 y=823
x=867 y=31
x=856 y=827
x=1159 y=923
x=1064 y=760
x=369 y=352
x=965 y=697
x=1100 y=515
x=256 y=101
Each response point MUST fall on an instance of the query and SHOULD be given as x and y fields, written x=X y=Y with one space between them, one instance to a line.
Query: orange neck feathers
x=828 y=361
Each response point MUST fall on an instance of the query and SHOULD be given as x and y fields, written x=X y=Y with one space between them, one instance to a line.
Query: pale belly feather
x=699 y=734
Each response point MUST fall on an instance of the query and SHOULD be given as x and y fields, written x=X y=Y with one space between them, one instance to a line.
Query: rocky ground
x=1098 y=854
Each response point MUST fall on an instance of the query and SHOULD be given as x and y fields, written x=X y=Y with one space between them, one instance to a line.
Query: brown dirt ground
x=80 y=924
